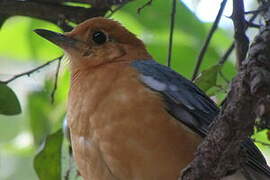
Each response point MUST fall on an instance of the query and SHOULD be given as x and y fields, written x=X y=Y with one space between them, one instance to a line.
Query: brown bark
x=248 y=99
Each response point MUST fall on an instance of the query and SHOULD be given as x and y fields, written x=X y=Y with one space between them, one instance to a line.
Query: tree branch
x=56 y=79
x=207 y=41
x=55 y=13
x=232 y=46
x=240 y=26
x=219 y=152
x=28 y=73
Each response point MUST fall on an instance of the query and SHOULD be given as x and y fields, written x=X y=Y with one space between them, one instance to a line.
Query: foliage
x=9 y=104
x=208 y=78
x=47 y=162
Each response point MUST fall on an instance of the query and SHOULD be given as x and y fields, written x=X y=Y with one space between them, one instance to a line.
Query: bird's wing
x=179 y=93
x=188 y=104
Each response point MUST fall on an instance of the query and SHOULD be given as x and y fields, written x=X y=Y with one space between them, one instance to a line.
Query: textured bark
x=240 y=26
x=248 y=98
x=55 y=11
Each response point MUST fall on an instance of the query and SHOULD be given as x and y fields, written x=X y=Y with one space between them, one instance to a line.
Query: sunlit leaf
x=47 y=162
x=18 y=41
x=39 y=109
x=262 y=141
x=9 y=104
x=41 y=48
x=208 y=78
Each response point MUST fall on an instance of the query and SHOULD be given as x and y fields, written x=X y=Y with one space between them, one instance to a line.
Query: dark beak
x=57 y=38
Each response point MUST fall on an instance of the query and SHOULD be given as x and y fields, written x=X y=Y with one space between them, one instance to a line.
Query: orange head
x=98 y=41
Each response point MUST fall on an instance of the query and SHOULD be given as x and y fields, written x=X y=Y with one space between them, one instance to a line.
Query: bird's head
x=98 y=41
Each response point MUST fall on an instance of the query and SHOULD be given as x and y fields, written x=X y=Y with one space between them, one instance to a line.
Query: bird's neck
x=88 y=88
x=120 y=53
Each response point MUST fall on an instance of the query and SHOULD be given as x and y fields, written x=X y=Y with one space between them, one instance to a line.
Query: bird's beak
x=59 y=39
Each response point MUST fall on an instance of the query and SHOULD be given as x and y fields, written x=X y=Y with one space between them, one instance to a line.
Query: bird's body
x=128 y=136
x=131 y=118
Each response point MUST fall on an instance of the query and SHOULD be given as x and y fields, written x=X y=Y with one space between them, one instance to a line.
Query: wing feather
x=188 y=104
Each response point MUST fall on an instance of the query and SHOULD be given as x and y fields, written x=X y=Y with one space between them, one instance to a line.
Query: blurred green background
x=22 y=136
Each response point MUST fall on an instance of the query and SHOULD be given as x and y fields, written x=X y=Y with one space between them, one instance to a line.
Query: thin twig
x=207 y=41
x=28 y=73
x=232 y=46
x=171 y=32
x=56 y=80
x=112 y=11
x=256 y=11
x=148 y=3
x=223 y=76
x=253 y=25
x=227 y=54
x=240 y=26
x=252 y=11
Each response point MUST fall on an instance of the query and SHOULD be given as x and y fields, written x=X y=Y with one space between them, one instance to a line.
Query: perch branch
x=240 y=26
x=220 y=151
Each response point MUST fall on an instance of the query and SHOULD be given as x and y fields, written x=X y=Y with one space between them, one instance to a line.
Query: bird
x=129 y=117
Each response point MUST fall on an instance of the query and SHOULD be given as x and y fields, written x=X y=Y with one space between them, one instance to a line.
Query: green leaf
x=3 y=18
x=208 y=78
x=39 y=109
x=18 y=41
x=261 y=140
x=9 y=104
x=47 y=162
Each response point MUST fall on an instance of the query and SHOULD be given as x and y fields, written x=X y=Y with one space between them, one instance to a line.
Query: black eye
x=99 y=37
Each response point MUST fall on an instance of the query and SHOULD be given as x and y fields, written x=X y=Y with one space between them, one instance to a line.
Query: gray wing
x=188 y=104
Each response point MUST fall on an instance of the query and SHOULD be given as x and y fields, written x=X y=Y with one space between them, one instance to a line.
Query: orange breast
x=121 y=130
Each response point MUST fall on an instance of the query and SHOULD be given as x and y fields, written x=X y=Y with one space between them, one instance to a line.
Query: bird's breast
x=120 y=129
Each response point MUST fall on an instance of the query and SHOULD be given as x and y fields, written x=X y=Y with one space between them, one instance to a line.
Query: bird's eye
x=99 y=37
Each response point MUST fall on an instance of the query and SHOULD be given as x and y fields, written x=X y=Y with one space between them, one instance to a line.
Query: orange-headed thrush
x=131 y=118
